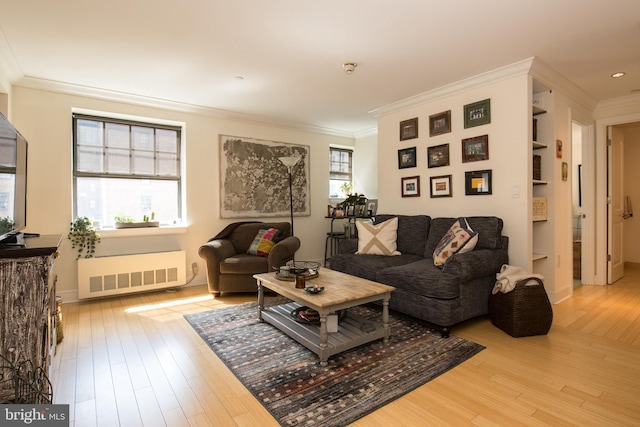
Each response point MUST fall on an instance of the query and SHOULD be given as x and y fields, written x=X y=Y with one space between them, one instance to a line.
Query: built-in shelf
x=539 y=220
x=538 y=145
x=538 y=257
x=539 y=182
x=537 y=110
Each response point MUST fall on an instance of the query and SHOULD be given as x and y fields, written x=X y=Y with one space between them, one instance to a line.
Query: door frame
x=601 y=223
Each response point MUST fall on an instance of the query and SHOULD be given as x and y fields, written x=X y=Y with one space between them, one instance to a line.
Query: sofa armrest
x=213 y=253
x=477 y=263
x=348 y=246
x=216 y=251
x=283 y=251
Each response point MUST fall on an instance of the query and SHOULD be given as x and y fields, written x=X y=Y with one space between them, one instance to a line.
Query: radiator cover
x=116 y=275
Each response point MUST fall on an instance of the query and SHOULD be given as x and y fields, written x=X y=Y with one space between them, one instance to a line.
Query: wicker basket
x=523 y=312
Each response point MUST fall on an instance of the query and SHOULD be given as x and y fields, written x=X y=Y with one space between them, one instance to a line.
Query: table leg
x=385 y=317
x=324 y=339
x=260 y=300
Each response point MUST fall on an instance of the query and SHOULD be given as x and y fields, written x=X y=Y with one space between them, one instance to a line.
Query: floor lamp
x=290 y=162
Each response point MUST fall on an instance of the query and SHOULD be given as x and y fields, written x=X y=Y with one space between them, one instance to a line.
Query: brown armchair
x=231 y=269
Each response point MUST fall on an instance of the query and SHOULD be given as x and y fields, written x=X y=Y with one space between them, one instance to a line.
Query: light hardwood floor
x=148 y=367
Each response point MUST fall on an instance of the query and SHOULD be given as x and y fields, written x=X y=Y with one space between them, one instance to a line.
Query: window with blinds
x=124 y=167
x=340 y=171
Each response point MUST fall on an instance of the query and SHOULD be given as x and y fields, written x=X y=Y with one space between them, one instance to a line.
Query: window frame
x=179 y=167
x=332 y=173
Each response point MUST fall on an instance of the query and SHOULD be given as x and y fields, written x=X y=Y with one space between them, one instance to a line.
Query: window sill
x=142 y=231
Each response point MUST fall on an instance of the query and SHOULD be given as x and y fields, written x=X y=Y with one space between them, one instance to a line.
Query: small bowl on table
x=313 y=289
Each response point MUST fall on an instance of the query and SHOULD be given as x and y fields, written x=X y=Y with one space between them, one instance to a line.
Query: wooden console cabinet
x=28 y=304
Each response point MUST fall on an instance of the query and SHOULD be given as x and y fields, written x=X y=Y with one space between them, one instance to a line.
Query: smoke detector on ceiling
x=349 y=67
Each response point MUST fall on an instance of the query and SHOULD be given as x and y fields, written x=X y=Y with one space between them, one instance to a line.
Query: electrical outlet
x=194 y=268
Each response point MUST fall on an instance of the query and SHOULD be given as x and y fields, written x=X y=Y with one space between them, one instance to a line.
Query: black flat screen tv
x=13 y=182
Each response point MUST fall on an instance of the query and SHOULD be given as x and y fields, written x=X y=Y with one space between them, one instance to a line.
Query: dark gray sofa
x=443 y=296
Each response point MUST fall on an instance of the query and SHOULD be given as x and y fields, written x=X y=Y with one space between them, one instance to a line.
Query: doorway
x=623 y=228
x=630 y=125
x=579 y=133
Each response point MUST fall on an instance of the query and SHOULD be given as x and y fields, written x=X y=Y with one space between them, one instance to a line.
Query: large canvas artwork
x=254 y=183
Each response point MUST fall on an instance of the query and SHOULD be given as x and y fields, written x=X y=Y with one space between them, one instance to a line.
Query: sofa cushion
x=366 y=266
x=265 y=240
x=412 y=232
x=489 y=229
x=422 y=278
x=377 y=239
x=459 y=238
x=244 y=264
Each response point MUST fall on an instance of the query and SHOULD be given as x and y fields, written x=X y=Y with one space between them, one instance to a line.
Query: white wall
x=508 y=157
x=44 y=118
x=365 y=159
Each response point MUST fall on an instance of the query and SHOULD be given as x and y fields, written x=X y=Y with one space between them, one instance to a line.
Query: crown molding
x=551 y=78
x=9 y=67
x=516 y=69
x=618 y=103
x=533 y=66
x=366 y=132
x=128 y=98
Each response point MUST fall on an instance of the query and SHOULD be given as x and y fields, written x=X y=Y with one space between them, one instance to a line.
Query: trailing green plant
x=6 y=224
x=84 y=237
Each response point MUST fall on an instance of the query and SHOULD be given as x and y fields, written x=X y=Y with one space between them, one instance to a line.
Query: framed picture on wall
x=477 y=113
x=440 y=123
x=478 y=183
x=411 y=186
x=475 y=149
x=409 y=129
x=407 y=158
x=441 y=186
x=438 y=156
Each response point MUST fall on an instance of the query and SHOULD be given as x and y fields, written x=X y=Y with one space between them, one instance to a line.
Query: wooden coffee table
x=341 y=291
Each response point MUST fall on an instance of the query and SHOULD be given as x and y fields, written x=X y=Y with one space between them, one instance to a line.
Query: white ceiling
x=290 y=52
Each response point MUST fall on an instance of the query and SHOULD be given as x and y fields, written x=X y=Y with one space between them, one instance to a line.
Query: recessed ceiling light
x=618 y=74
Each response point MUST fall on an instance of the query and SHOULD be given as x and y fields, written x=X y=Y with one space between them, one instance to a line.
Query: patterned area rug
x=288 y=380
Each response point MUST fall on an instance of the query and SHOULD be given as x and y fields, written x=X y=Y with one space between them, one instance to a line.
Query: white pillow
x=459 y=238
x=379 y=239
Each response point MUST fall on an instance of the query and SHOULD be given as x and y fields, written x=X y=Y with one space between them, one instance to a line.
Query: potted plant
x=6 y=224
x=126 y=221
x=84 y=237
x=346 y=188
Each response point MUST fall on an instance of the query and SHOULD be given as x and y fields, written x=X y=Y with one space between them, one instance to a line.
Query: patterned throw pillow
x=459 y=238
x=379 y=239
x=264 y=241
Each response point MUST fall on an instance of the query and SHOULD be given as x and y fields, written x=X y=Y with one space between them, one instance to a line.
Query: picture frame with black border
x=411 y=186
x=438 y=156
x=372 y=207
x=409 y=129
x=441 y=186
x=477 y=113
x=407 y=158
x=475 y=149
x=478 y=183
x=440 y=123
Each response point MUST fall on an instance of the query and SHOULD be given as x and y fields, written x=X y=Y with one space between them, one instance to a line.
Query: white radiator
x=115 y=275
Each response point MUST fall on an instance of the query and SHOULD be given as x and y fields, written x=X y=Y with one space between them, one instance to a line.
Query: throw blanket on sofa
x=509 y=275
